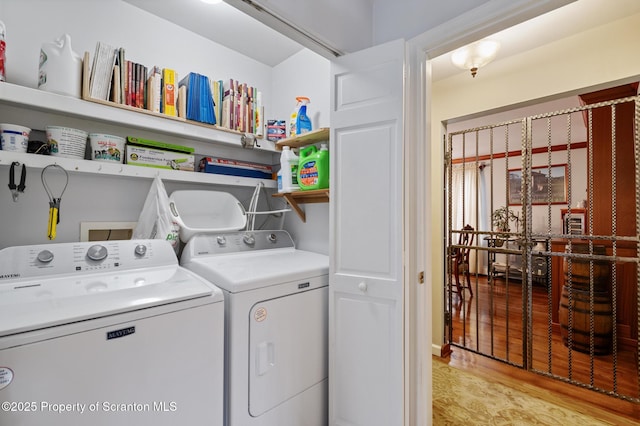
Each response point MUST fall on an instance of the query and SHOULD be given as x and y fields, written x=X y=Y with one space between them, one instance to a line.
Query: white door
x=366 y=275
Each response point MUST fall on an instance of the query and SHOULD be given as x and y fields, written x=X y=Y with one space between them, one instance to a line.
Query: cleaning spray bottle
x=288 y=170
x=313 y=168
x=299 y=122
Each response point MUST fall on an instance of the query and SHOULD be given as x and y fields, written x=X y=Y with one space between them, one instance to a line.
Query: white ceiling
x=234 y=29
x=226 y=26
x=571 y=19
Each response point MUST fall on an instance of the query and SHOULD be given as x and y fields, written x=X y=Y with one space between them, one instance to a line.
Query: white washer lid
x=40 y=303
x=239 y=272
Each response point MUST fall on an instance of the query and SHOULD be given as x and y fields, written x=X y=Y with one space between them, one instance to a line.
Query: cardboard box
x=225 y=166
x=276 y=130
x=162 y=159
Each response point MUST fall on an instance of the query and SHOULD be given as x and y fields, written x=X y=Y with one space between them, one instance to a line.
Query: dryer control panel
x=237 y=242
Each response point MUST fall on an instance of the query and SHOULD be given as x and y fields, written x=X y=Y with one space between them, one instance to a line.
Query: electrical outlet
x=104 y=231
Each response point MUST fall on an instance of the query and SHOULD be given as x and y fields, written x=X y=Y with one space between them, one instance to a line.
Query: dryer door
x=287 y=348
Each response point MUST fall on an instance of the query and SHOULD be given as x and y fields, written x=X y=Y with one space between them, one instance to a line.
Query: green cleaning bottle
x=313 y=168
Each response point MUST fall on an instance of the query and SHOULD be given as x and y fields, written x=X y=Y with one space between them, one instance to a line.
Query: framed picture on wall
x=548 y=185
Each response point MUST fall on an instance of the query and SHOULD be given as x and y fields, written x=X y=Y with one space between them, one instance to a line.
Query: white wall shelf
x=114 y=169
x=35 y=101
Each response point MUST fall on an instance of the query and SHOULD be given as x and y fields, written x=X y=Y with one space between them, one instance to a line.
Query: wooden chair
x=460 y=259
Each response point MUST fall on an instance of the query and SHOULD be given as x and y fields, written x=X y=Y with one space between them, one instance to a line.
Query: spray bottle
x=299 y=122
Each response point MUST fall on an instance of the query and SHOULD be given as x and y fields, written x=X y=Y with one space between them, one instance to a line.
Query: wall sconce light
x=475 y=55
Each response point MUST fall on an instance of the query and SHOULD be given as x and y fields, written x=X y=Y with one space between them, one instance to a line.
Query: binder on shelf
x=199 y=102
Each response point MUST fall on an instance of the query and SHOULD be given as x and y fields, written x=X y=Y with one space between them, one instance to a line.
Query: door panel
x=372 y=146
x=366 y=281
x=287 y=348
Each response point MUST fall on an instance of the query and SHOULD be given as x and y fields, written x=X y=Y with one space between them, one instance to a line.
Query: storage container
x=107 y=148
x=14 y=137
x=66 y=141
x=206 y=212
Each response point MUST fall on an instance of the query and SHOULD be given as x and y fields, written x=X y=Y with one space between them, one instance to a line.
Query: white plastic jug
x=60 y=69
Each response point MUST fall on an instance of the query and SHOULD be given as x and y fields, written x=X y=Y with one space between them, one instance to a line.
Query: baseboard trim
x=442 y=351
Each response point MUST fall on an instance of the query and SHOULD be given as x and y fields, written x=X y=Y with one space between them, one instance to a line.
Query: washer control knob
x=140 y=250
x=249 y=239
x=272 y=238
x=221 y=240
x=97 y=252
x=45 y=256
x=363 y=287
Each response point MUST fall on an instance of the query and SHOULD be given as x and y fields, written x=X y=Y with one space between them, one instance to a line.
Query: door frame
x=425 y=237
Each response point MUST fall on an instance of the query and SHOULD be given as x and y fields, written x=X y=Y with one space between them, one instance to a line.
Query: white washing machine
x=109 y=333
x=276 y=331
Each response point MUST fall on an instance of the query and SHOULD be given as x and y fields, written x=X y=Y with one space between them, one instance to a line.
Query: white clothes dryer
x=109 y=333
x=276 y=331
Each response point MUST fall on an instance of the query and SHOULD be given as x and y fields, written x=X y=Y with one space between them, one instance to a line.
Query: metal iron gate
x=543 y=218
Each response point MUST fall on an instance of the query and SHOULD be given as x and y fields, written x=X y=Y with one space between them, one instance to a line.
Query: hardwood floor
x=491 y=324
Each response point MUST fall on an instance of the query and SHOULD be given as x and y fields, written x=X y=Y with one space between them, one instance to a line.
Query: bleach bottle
x=60 y=68
x=313 y=168
x=288 y=170
x=299 y=122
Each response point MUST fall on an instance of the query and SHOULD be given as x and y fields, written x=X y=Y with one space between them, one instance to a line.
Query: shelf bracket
x=295 y=206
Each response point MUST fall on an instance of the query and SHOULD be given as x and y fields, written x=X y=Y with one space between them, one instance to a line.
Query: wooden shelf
x=304 y=197
x=319 y=135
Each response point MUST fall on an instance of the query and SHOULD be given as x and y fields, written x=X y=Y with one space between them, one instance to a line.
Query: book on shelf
x=102 y=71
x=154 y=83
x=227 y=104
x=216 y=94
x=123 y=73
x=169 y=92
x=115 y=90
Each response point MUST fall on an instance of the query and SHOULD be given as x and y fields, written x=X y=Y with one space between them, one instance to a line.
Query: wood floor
x=490 y=325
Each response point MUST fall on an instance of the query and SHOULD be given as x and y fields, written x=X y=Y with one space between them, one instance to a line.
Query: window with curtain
x=468 y=192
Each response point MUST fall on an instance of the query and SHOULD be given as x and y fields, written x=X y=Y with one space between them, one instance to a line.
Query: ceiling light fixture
x=475 y=55
x=211 y=1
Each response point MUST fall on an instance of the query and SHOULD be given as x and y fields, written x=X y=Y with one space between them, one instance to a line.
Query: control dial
x=221 y=240
x=97 y=252
x=249 y=239
x=140 y=250
x=272 y=238
x=45 y=256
